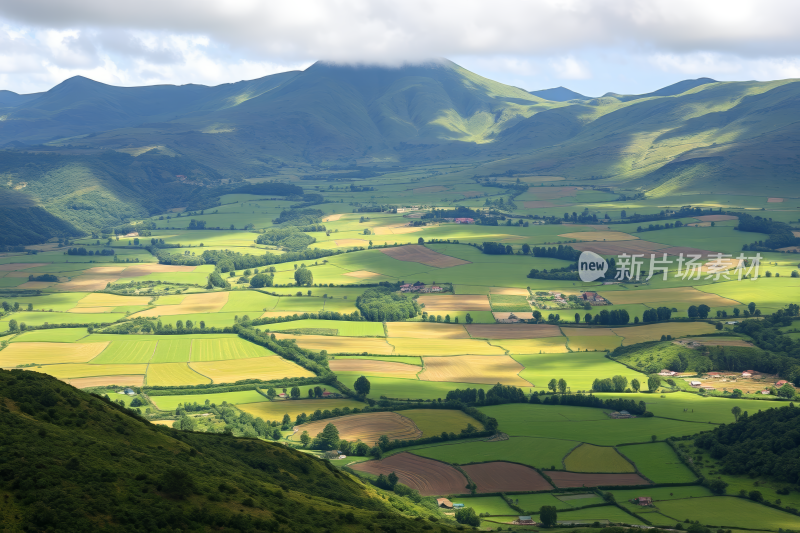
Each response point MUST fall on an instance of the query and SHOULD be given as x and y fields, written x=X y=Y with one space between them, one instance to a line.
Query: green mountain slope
x=72 y=462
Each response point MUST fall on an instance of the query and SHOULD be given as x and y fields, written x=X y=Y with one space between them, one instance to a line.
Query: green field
x=539 y=453
x=494 y=505
x=437 y=421
x=725 y=511
x=169 y=403
x=52 y=335
x=126 y=352
x=343 y=328
x=578 y=369
x=225 y=349
x=585 y=424
x=658 y=462
x=533 y=502
x=172 y=351
x=505 y=302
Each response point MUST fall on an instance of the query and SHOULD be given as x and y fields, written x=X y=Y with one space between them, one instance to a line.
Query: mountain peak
x=559 y=94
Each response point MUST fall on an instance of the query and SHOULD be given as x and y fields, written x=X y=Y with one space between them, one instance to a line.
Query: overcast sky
x=591 y=46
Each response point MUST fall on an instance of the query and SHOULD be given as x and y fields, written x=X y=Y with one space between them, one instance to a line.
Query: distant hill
x=694 y=136
x=74 y=462
x=559 y=94
x=670 y=90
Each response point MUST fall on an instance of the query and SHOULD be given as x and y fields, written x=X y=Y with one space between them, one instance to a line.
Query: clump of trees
x=382 y=304
x=303 y=276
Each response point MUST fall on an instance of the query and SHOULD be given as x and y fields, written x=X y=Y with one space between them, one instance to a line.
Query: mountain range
x=690 y=137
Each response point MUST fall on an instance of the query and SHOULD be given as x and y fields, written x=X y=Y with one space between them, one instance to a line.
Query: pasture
x=175 y=350
x=578 y=369
x=437 y=421
x=539 y=453
x=605 y=459
x=170 y=403
x=727 y=511
x=658 y=462
x=342 y=327
x=52 y=335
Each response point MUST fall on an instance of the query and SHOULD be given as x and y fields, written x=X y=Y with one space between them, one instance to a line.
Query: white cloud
x=203 y=41
x=569 y=68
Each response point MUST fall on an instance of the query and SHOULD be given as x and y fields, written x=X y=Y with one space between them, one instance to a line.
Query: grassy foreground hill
x=74 y=462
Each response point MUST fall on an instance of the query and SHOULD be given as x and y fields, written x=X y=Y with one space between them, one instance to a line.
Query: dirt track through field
x=367 y=427
x=459 y=302
x=428 y=477
x=570 y=479
x=420 y=254
x=512 y=331
x=375 y=368
x=499 y=476
x=489 y=369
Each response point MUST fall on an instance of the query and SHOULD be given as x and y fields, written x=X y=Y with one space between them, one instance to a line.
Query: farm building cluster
x=419 y=287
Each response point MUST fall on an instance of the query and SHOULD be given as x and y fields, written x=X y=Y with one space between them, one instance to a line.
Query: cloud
x=142 y=40
x=570 y=68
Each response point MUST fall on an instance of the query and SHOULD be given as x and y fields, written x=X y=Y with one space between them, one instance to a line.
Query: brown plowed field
x=366 y=427
x=429 y=477
x=459 y=302
x=426 y=330
x=420 y=254
x=129 y=380
x=489 y=369
x=499 y=476
x=369 y=367
x=715 y=218
x=512 y=331
x=571 y=479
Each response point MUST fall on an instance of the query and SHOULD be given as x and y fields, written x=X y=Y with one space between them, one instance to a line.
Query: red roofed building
x=643 y=500
x=781 y=383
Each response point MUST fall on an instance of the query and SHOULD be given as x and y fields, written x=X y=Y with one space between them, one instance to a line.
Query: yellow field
x=686 y=295
x=426 y=330
x=91 y=310
x=489 y=369
x=276 y=409
x=72 y=371
x=132 y=380
x=111 y=300
x=367 y=367
x=435 y=421
x=597 y=459
x=527 y=346
x=49 y=353
x=434 y=347
x=266 y=368
x=340 y=344
x=458 y=302
x=594 y=343
x=653 y=332
x=609 y=236
x=363 y=274
x=366 y=427
x=226 y=349
x=211 y=302
x=173 y=375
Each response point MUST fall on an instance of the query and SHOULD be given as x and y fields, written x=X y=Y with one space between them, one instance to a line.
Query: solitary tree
x=362 y=385
x=577 y=318
x=552 y=385
x=548 y=515
x=305 y=439
x=752 y=307
x=562 y=386
x=420 y=241
x=737 y=412
x=635 y=385
x=329 y=438
x=653 y=382
x=303 y=276
x=271 y=393
x=295 y=393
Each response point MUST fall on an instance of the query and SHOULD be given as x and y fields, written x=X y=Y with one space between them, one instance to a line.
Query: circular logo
x=591 y=266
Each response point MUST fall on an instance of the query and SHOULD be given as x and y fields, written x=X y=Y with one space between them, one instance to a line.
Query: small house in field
x=283 y=395
x=747 y=374
x=765 y=391
x=781 y=383
x=444 y=503
x=525 y=521
x=666 y=372
x=436 y=288
x=643 y=500
x=327 y=394
x=695 y=384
